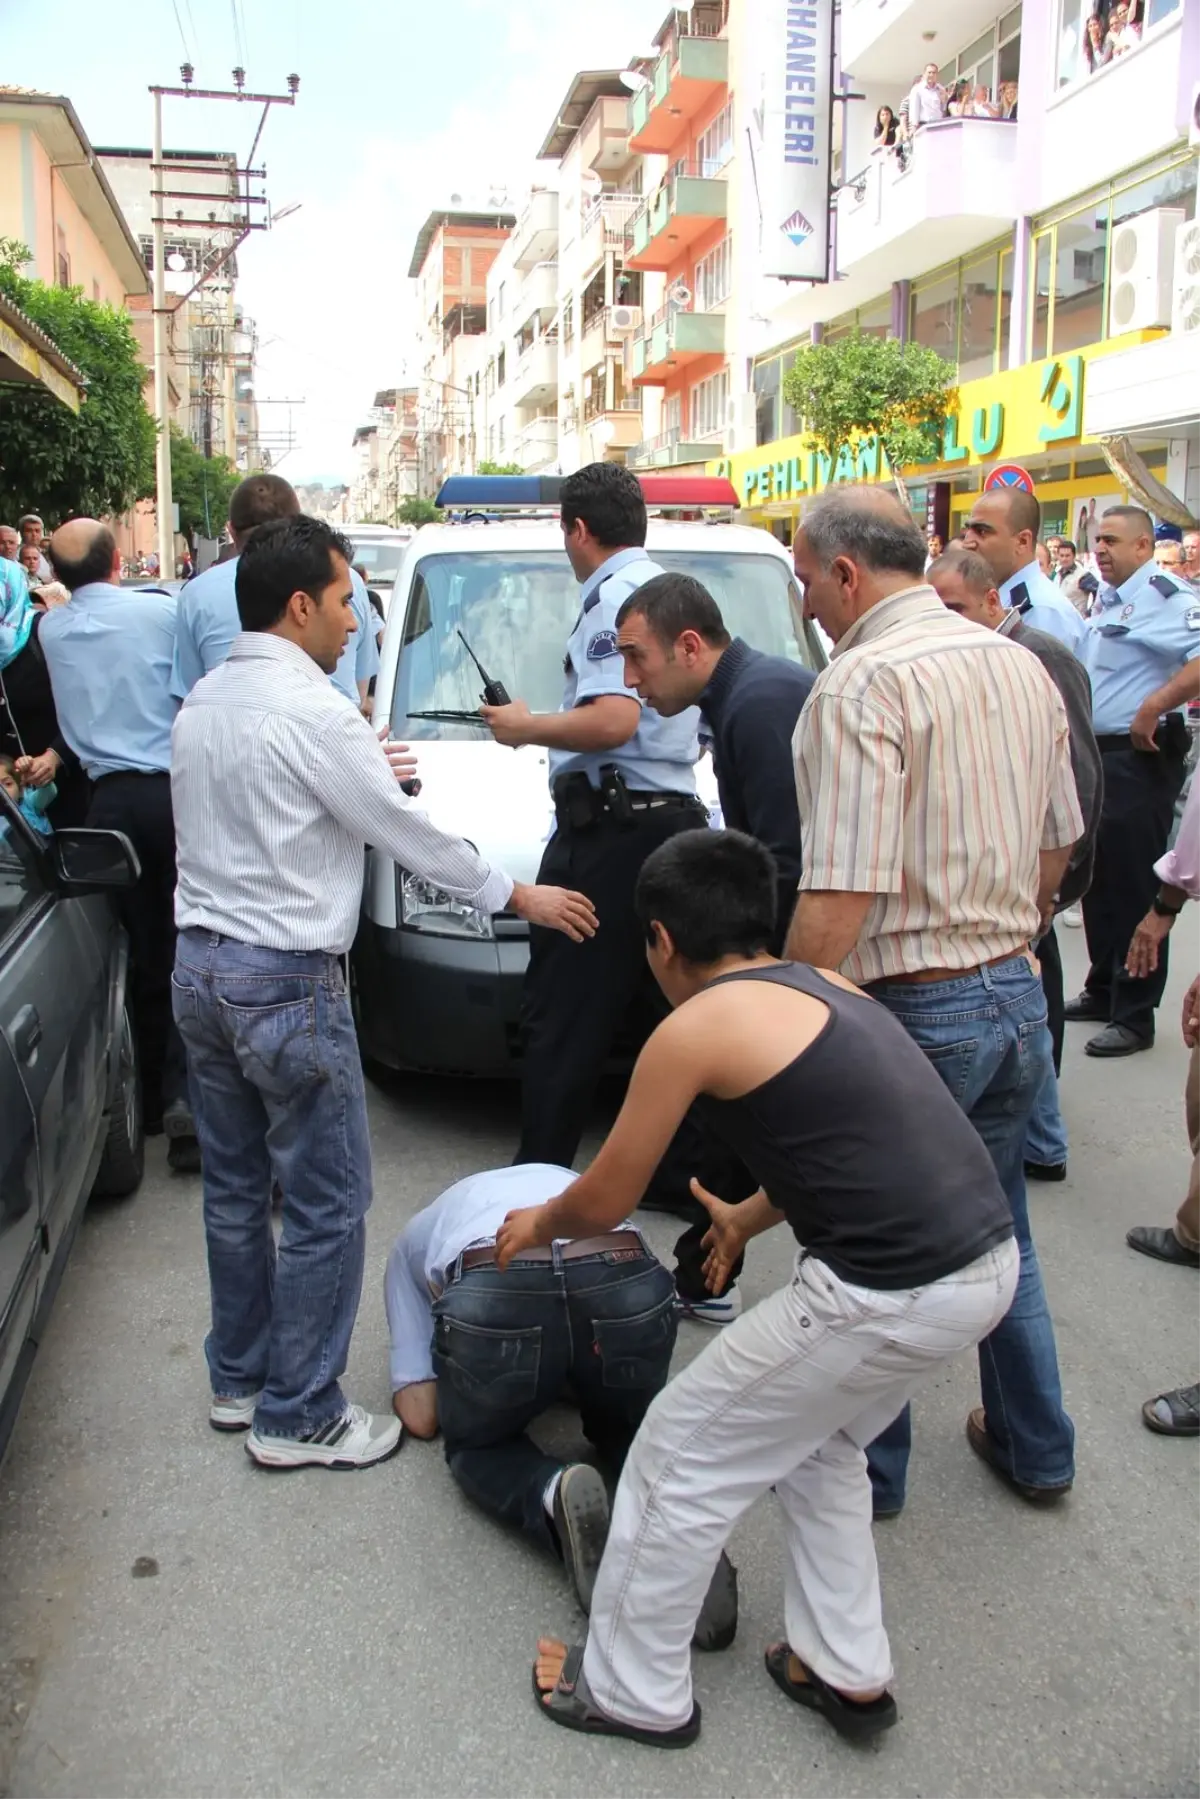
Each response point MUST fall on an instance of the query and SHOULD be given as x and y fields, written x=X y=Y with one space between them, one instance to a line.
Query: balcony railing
x=609 y=213
x=675 y=336
x=694 y=65
x=688 y=201
x=670 y=448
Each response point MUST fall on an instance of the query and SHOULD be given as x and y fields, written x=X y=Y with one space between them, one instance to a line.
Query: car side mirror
x=85 y=861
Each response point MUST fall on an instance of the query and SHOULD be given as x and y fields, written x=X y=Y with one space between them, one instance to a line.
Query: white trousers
x=788 y=1396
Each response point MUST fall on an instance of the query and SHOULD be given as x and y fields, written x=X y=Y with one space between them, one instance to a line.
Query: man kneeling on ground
x=906 y=1257
x=594 y=1318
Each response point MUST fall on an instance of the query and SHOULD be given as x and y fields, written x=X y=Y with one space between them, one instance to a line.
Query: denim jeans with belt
x=985 y=1033
x=277 y=1091
x=598 y=1329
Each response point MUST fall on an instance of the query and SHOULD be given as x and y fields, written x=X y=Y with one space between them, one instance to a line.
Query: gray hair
x=869 y=527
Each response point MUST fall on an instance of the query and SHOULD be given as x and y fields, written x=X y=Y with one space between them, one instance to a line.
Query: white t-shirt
x=465 y=1215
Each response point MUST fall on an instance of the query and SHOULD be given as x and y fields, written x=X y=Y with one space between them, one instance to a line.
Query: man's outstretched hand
x=724 y=1241
x=557 y=908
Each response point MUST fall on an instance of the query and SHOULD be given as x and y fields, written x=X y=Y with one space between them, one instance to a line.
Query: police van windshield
x=516 y=611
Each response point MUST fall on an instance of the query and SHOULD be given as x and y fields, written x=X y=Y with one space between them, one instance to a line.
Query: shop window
x=767 y=377
x=978 y=308
x=1043 y=296
x=1080 y=255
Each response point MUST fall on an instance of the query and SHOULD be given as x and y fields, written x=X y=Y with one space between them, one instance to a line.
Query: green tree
x=201 y=486
x=873 y=386
x=499 y=468
x=52 y=460
x=416 y=510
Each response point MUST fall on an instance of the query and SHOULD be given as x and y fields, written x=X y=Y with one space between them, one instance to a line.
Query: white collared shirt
x=278 y=782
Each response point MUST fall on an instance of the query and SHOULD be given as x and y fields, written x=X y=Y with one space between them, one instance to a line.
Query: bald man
x=109 y=651
x=1003 y=529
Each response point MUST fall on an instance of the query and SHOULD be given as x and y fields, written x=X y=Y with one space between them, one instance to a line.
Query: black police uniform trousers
x=580 y=997
x=140 y=806
x=1140 y=790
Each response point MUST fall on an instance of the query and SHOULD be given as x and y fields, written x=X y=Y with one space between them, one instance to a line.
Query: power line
x=183 y=40
x=238 y=45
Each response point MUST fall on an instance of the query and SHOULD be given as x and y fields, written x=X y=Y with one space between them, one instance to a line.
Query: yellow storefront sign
x=1011 y=417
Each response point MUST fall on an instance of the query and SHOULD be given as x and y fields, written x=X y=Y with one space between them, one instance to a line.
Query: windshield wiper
x=449 y=717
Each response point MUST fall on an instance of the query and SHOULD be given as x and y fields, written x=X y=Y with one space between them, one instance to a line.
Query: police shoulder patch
x=600 y=645
x=1192 y=617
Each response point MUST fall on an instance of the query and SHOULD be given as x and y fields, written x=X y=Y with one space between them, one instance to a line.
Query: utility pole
x=241 y=226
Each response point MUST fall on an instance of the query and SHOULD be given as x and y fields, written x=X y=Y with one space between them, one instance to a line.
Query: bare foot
x=549 y=1665
x=797 y=1673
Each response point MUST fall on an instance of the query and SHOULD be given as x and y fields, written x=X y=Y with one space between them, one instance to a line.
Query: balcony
x=679 y=211
x=604 y=139
x=603 y=226
x=887 y=41
x=536 y=444
x=615 y=427
x=673 y=338
x=689 y=73
x=958 y=190
x=670 y=449
x=535 y=237
x=535 y=373
x=538 y=293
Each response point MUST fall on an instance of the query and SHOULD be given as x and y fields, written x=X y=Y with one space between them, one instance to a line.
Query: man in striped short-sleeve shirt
x=938 y=810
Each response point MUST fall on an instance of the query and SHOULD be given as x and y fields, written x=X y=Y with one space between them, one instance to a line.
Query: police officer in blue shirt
x=208 y=615
x=109 y=652
x=1142 y=652
x=623 y=781
x=1003 y=527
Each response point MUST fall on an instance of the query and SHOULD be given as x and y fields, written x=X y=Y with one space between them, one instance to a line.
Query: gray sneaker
x=355 y=1440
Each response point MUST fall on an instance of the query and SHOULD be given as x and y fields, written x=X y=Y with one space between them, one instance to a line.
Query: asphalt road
x=176 y=1622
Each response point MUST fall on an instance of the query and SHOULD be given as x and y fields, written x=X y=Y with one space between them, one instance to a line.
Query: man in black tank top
x=905 y=1257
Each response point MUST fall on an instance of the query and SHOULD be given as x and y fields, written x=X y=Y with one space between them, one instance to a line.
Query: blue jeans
x=986 y=1035
x=599 y=1329
x=1046 y=1138
x=277 y=1091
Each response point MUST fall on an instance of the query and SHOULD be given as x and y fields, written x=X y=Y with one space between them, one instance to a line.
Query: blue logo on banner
x=603 y=644
x=797 y=229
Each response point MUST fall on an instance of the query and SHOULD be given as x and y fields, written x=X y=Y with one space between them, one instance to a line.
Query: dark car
x=70 y=1103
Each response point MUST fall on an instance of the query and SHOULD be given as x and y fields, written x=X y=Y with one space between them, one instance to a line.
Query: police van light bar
x=525 y=491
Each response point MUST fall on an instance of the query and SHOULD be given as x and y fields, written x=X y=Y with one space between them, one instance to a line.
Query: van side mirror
x=85 y=861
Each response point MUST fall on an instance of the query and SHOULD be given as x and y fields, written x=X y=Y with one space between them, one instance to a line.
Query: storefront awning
x=28 y=358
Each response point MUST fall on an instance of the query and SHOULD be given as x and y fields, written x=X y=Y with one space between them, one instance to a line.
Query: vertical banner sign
x=796 y=43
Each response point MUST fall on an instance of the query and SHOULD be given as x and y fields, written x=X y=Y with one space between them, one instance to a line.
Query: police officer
x=1141 y=652
x=109 y=652
x=623 y=781
x=1003 y=528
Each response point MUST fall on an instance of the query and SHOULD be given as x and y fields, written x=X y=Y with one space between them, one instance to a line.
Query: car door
x=21 y=1241
x=55 y=1017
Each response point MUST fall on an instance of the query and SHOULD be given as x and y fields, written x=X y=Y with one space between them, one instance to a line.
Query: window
x=962 y=312
x=979 y=323
x=500 y=300
x=714 y=276
x=568 y=320
x=991 y=59
x=714 y=147
x=492 y=313
x=933 y=314
x=709 y=405
x=1071 y=274
x=672 y=413
x=500 y=370
x=767 y=378
x=63 y=259
x=1075 y=60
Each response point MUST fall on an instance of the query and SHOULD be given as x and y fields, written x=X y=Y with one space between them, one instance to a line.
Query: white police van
x=437 y=985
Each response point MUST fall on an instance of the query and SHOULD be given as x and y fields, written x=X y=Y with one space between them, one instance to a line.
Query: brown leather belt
x=916 y=976
x=485 y=1255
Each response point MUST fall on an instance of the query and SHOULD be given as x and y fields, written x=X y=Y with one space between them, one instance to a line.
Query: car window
x=516 y=610
x=22 y=883
x=379 y=558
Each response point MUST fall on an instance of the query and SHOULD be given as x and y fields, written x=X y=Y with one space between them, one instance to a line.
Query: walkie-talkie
x=494 y=692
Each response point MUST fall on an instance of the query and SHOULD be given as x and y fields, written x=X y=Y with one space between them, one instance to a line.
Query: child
x=32 y=802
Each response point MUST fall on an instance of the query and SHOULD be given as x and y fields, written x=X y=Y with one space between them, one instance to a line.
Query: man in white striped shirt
x=278 y=782
x=938 y=811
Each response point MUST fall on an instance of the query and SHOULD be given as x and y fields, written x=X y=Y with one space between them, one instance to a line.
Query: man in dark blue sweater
x=677 y=654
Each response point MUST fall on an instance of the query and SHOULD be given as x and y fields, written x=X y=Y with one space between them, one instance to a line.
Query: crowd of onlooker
x=931 y=100
x=1111 y=31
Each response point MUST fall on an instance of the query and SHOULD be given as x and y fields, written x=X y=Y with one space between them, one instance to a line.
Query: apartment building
x=1053 y=256
x=517 y=381
x=387 y=457
x=453 y=252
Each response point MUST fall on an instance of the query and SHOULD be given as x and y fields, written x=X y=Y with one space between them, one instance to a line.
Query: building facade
x=1048 y=255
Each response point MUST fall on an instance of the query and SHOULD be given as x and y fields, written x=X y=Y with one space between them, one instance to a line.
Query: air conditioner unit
x=1194 y=119
x=1185 y=287
x=1143 y=250
x=624 y=321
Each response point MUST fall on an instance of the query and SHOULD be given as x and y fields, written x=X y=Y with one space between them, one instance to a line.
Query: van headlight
x=424 y=907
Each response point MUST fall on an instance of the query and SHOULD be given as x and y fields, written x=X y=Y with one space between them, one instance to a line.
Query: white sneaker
x=1071 y=916
x=355 y=1440
x=718 y=1310
x=233 y=1413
